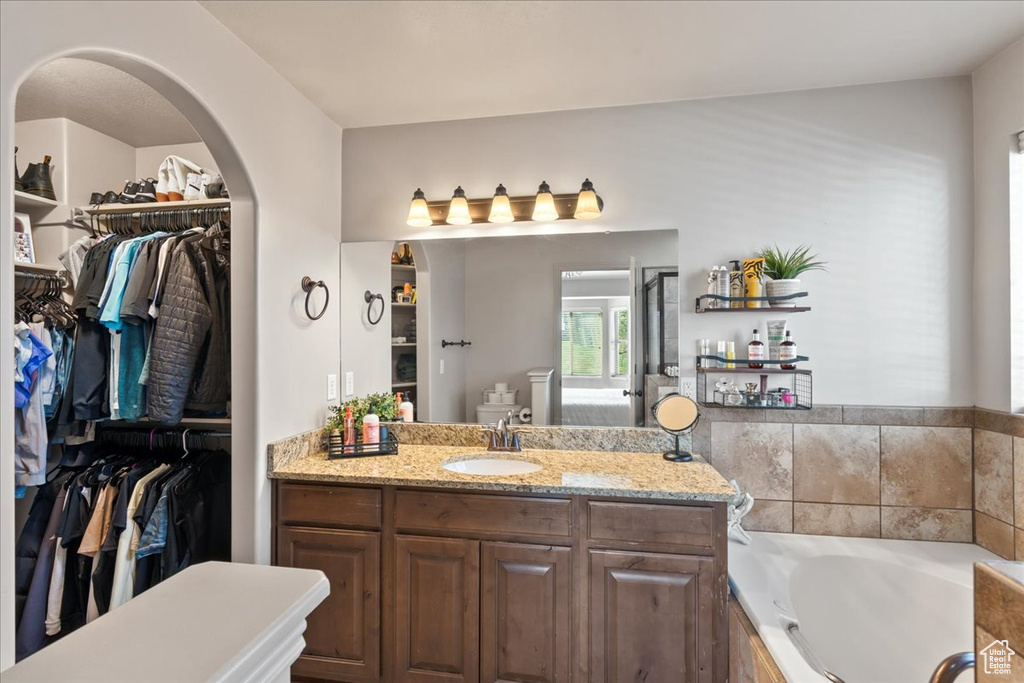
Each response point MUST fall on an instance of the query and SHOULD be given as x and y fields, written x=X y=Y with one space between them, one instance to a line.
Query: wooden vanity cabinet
x=464 y=586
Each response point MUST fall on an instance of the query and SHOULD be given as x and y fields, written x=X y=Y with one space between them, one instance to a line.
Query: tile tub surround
x=602 y=473
x=889 y=472
x=999 y=613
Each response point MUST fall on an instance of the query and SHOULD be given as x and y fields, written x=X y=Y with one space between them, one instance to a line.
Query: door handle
x=639 y=393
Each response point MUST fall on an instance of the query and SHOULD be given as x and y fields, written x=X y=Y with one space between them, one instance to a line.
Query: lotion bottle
x=371 y=428
x=755 y=351
x=405 y=410
x=350 y=427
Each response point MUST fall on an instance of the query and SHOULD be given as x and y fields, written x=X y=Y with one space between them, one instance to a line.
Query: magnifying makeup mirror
x=677 y=415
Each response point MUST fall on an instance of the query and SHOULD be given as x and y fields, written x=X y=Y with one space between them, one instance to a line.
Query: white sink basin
x=490 y=465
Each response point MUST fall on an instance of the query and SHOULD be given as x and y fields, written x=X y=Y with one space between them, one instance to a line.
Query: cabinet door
x=343 y=633
x=524 y=613
x=651 y=618
x=437 y=600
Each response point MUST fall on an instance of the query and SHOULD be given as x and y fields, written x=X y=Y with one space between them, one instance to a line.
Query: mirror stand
x=676 y=455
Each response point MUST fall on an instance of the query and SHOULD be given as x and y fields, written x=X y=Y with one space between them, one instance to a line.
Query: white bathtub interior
x=871 y=610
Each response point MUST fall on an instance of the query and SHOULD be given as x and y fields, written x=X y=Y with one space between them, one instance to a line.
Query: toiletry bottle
x=405 y=410
x=730 y=353
x=753 y=280
x=735 y=285
x=350 y=427
x=755 y=351
x=721 y=354
x=712 y=286
x=371 y=428
x=398 y=405
x=722 y=286
x=787 y=351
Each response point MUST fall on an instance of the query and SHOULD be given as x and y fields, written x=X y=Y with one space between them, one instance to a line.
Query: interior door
x=636 y=341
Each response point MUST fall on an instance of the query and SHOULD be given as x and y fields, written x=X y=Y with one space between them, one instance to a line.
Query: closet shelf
x=400 y=266
x=186 y=422
x=23 y=201
x=399 y=385
x=105 y=209
x=36 y=268
x=406 y=344
x=398 y=304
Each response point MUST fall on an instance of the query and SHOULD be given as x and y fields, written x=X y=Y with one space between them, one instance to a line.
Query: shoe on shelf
x=96 y=198
x=196 y=185
x=37 y=180
x=110 y=197
x=17 y=176
x=127 y=195
x=147 y=191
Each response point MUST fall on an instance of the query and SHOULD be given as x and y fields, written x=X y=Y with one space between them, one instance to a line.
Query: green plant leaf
x=789 y=265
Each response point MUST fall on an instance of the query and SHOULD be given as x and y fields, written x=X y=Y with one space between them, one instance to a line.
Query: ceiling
x=104 y=99
x=378 y=63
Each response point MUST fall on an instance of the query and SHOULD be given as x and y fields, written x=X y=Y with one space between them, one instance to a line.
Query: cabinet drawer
x=651 y=524
x=475 y=514
x=328 y=505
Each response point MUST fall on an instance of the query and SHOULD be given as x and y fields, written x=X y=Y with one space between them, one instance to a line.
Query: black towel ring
x=308 y=285
x=369 y=298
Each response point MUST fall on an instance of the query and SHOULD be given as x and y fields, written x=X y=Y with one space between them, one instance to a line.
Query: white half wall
x=999 y=237
x=876 y=178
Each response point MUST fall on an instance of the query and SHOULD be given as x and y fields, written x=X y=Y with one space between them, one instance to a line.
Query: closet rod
x=79 y=212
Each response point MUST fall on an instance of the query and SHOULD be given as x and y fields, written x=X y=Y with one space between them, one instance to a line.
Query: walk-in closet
x=123 y=348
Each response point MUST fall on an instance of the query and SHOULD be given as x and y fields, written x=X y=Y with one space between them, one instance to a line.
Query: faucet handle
x=515 y=446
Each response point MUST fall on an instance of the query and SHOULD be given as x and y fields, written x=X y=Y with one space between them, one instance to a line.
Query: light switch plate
x=350 y=383
x=442 y=366
x=332 y=387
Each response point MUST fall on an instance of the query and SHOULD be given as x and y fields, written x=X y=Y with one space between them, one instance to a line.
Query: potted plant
x=383 y=405
x=785 y=268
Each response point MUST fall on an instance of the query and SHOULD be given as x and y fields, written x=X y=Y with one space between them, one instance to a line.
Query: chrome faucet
x=501 y=438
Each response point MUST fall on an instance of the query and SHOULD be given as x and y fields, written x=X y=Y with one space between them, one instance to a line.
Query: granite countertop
x=604 y=473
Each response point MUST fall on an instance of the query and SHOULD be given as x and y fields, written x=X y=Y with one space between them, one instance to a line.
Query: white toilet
x=490 y=413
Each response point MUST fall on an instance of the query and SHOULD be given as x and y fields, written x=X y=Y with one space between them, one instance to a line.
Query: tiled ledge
x=999 y=612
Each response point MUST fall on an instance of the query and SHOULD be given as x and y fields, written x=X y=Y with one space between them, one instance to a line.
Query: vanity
x=599 y=566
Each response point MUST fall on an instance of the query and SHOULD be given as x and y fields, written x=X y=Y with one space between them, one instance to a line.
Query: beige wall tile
x=836 y=464
x=947 y=417
x=928 y=524
x=993 y=535
x=770 y=515
x=1018 y=536
x=983 y=639
x=993 y=474
x=1018 y=481
x=999 y=602
x=759 y=456
x=882 y=415
x=819 y=414
x=1004 y=423
x=836 y=520
x=926 y=467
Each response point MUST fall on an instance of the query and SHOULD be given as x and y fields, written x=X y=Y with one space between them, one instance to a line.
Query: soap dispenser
x=405 y=410
x=371 y=428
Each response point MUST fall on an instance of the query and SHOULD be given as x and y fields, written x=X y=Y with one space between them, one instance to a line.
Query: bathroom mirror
x=677 y=415
x=567 y=329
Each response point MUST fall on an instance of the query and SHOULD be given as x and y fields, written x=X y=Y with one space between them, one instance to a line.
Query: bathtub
x=866 y=610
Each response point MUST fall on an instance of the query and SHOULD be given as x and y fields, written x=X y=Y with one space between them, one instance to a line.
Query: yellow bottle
x=753 y=272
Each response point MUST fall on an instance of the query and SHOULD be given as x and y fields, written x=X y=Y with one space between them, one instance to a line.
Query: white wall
x=876 y=178
x=262 y=132
x=442 y=299
x=998 y=250
x=365 y=348
x=148 y=159
x=513 y=297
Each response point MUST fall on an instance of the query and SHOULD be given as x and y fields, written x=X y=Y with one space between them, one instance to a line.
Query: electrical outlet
x=332 y=387
x=350 y=383
x=442 y=366
x=688 y=387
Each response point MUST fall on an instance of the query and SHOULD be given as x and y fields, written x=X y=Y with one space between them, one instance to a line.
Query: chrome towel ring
x=369 y=298
x=308 y=285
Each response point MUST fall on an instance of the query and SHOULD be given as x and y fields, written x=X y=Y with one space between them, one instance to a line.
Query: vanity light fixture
x=501 y=207
x=588 y=204
x=544 y=208
x=419 y=212
x=458 y=209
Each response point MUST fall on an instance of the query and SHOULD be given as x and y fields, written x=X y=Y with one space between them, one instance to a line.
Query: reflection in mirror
x=575 y=329
x=677 y=415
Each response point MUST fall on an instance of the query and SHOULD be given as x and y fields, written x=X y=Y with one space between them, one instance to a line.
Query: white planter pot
x=782 y=288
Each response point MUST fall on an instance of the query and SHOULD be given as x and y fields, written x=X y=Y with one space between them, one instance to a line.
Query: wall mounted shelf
x=704 y=302
x=399 y=304
x=25 y=202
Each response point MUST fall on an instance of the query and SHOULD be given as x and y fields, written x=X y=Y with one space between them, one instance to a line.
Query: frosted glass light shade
x=458 y=209
x=501 y=207
x=588 y=206
x=419 y=212
x=544 y=208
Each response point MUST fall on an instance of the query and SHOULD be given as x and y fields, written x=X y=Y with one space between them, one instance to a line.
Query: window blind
x=581 y=343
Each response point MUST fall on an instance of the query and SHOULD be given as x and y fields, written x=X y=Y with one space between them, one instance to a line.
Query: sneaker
x=110 y=197
x=17 y=176
x=147 y=191
x=127 y=195
x=196 y=185
x=37 y=180
x=96 y=198
x=162 y=184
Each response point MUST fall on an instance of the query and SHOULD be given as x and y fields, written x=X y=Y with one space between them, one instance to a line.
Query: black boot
x=17 y=177
x=146 y=192
x=37 y=180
